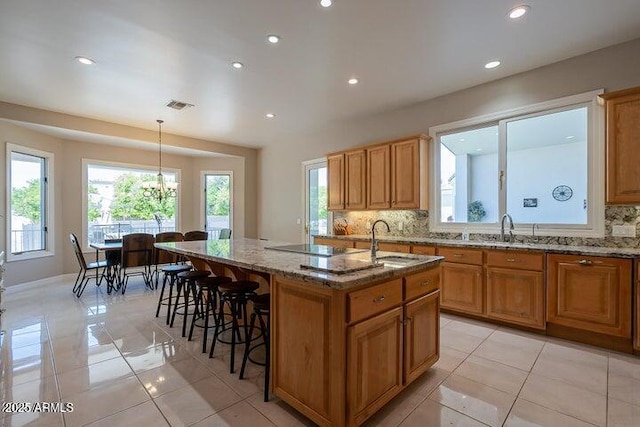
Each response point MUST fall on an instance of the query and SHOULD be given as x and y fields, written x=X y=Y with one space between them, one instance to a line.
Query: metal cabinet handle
x=378 y=300
x=513 y=260
x=425 y=283
x=458 y=255
x=585 y=262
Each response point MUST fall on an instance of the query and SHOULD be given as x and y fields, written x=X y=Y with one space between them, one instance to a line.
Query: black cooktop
x=319 y=250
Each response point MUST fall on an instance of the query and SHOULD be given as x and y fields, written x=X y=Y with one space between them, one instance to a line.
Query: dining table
x=111 y=272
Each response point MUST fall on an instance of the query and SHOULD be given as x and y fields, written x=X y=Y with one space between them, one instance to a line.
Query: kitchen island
x=342 y=345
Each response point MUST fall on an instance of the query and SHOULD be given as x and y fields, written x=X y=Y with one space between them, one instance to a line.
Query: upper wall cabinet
x=355 y=183
x=623 y=156
x=335 y=190
x=390 y=175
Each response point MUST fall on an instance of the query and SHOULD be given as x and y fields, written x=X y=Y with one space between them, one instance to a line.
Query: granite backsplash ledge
x=415 y=223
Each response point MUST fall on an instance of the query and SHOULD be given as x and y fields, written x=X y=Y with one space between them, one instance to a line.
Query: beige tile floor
x=119 y=365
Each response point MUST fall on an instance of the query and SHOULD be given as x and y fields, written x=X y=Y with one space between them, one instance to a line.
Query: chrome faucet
x=502 y=236
x=374 y=242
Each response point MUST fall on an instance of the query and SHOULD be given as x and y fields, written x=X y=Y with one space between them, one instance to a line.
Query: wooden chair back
x=195 y=235
x=137 y=250
x=78 y=251
x=166 y=257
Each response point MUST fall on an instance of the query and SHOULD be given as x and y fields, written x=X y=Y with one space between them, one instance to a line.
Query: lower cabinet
x=515 y=287
x=590 y=293
x=462 y=287
x=374 y=364
x=636 y=339
x=516 y=296
x=421 y=349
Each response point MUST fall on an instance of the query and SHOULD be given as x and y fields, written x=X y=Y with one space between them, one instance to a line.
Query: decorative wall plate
x=562 y=193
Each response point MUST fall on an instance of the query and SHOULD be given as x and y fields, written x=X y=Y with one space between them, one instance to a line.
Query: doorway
x=317 y=217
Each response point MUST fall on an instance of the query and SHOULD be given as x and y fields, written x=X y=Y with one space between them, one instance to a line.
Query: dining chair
x=82 y=279
x=137 y=251
x=224 y=234
x=195 y=235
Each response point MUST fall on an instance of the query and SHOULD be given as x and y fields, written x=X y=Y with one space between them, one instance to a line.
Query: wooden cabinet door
x=636 y=339
x=405 y=174
x=421 y=345
x=335 y=184
x=355 y=179
x=461 y=287
x=590 y=293
x=394 y=247
x=622 y=154
x=374 y=364
x=379 y=177
x=516 y=296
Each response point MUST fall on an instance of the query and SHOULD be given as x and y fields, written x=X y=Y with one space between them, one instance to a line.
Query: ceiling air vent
x=178 y=105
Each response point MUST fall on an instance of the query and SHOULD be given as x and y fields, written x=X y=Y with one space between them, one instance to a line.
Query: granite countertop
x=560 y=249
x=251 y=254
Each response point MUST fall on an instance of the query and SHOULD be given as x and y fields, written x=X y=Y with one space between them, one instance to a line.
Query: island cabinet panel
x=420 y=284
x=361 y=244
x=308 y=347
x=355 y=179
x=516 y=296
x=339 y=243
x=636 y=339
x=335 y=182
x=375 y=299
x=622 y=136
x=374 y=364
x=379 y=177
x=590 y=293
x=422 y=346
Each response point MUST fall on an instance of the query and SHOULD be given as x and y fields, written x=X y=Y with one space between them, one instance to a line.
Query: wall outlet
x=368 y=226
x=465 y=235
x=298 y=221
x=623 y=231
x=400 y=225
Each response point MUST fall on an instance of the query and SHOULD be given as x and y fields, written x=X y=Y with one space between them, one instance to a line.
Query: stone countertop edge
x=559 y=249
x=287 y=264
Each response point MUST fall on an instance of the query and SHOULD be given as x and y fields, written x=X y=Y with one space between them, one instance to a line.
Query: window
x=218 y=206
x=317 y=217
x=30 y=201
x=114 y=203
x=541 y=164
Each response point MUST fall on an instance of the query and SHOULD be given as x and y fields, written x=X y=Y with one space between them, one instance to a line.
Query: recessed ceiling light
x=353 y=81
x=571 y=136
x=492 y=64
x=518 y=11
x=272 y=38
x=270 y=115
x=84 y=60
x=325 y=3
x=461 y=139
x=478 y=149
x=237 y=64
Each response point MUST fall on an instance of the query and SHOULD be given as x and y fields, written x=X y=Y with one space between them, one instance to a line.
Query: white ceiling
x=404 y=51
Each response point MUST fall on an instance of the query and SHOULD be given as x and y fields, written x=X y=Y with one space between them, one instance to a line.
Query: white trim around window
x=49 y=214
x=595 y=159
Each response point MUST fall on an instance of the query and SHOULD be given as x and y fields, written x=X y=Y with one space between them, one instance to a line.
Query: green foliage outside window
x=129 y=202
x=27 y=201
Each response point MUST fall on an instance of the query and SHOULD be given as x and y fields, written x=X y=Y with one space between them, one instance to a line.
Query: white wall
x=280 y=180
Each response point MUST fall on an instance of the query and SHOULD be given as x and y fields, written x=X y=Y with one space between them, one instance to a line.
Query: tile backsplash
x=416 y=224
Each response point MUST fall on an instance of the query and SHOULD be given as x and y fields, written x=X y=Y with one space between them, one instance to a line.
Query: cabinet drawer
x=421 y=284
x=362 y=244
x=423 y=250
x=393 y=247
x=519 y=260
x=460 y=255
x=339 y=243
x=373 y=300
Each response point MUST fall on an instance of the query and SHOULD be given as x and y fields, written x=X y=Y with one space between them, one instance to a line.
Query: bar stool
x=235 y=295
x=208 y=285
x=170 y=274
x=186 y=286
x=261 y=304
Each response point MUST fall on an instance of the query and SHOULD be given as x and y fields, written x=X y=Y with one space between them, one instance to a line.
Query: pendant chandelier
x=160 y=189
